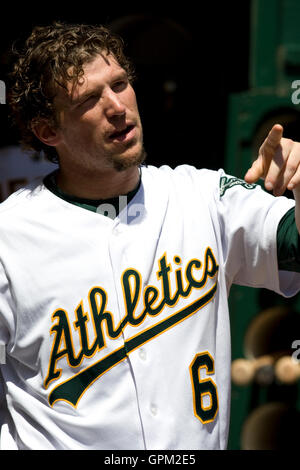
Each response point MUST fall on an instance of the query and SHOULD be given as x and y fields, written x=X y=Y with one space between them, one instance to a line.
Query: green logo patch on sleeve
x=230 y=182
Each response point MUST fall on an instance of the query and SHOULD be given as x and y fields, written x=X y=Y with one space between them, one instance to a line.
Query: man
x=115 y=275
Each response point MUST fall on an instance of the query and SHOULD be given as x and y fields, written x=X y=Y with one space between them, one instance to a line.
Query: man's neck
x=98 y=186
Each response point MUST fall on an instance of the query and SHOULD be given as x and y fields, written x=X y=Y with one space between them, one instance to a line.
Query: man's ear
x=46 y=133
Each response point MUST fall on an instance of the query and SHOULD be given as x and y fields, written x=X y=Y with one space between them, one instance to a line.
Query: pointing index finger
x=274 y=137
x=267 y=151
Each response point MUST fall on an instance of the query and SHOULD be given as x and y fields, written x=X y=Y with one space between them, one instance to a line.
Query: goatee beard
x=122 y=164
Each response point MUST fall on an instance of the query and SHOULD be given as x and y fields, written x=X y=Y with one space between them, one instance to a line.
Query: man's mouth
x=122 y=134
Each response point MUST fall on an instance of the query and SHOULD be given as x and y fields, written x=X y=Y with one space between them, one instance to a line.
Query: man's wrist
x=296 y=193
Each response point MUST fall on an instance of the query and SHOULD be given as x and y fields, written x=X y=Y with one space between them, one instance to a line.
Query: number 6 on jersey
x=204 y=387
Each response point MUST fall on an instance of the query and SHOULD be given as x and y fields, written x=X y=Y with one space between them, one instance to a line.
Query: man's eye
x=90 y=98
x=87 y=100
x=119 y=85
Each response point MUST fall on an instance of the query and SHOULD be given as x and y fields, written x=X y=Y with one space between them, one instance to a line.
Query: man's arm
x=297 y=208
x=278 y=163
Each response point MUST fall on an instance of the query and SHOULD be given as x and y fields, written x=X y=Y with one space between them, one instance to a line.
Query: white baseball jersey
x=117 y=330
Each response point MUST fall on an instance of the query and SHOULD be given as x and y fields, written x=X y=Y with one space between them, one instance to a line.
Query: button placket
x=153 y=409
x=142 y=354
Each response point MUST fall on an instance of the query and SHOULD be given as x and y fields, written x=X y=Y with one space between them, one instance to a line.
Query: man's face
x=99 y=122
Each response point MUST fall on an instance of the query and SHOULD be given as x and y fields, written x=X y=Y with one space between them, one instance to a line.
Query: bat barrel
x=287 y=370
x=268 y=338
x=272 y=426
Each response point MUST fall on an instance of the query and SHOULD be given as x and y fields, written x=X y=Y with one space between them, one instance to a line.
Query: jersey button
x=153 y=410
x=143 y=354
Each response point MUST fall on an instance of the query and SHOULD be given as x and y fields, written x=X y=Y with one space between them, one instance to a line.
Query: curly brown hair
x=52 y=56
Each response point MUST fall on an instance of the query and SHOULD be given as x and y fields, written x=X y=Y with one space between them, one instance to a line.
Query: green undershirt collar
x=89 y=204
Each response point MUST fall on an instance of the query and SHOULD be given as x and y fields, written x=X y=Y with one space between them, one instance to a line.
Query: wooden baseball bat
x=287 y=370
x=245 y=371
x=271 y=426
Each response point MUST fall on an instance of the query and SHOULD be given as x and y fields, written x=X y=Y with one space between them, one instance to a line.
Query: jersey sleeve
x=288 y=243
x=249 y=218
x=7 y=316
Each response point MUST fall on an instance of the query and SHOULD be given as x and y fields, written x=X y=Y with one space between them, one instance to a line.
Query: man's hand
x=278 y=163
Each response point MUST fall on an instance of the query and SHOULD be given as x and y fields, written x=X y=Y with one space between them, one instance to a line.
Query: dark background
x=189 y=57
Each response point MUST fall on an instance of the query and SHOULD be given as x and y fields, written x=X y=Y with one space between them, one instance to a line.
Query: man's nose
x=113 y=105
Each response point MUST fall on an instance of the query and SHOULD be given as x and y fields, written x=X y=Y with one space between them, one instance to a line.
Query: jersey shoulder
x=184 y=175
x=20 y=202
